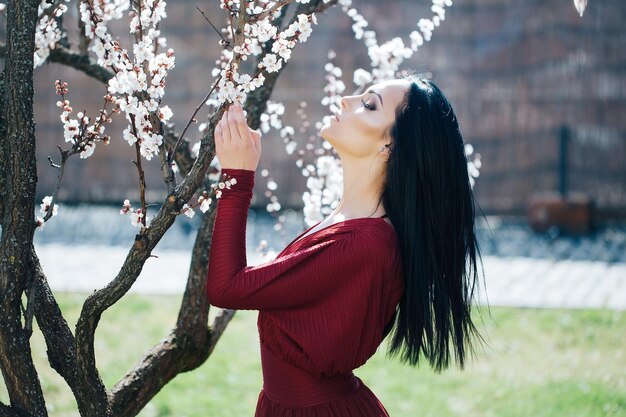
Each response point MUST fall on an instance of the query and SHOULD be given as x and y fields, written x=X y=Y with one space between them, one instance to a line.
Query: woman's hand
x=236 y=145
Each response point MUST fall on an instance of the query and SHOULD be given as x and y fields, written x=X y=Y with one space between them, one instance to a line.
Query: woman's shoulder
x=376 y=237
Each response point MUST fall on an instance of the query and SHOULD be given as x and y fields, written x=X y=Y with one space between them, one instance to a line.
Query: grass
x=539 y=363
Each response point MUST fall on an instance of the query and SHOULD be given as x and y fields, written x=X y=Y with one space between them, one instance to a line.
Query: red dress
x=323 y=303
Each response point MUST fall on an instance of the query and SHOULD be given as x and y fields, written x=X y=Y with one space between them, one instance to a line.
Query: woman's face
x=359 y=129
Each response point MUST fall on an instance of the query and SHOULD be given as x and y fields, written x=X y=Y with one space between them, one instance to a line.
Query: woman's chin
x=325 y=133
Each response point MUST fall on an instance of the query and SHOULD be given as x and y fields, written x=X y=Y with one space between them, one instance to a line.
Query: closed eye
x=368 y=106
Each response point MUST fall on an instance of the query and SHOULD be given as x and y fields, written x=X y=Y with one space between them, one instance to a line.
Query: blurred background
x=539 y=91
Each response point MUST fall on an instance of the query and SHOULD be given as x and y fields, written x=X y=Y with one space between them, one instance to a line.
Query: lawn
x=537 y=363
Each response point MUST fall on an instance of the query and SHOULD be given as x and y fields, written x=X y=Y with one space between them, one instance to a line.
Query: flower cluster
x=387 y=58
x=47 y=33
x=136 y=216
x=324 y=185
x=44 y=208
x=334 y=86
x=79 y=132
x=273 y=205
x=473 y=165
x=205 y=200
x=139 y=83
x=272 y=116
x=234 y=87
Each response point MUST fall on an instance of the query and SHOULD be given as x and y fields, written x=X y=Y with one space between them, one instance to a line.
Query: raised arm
x=302 y=277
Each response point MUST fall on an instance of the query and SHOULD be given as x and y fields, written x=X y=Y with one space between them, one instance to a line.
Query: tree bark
x=60 y=342
x=19 y=178
x=2 y=149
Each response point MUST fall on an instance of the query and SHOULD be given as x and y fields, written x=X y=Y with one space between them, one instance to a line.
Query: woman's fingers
x=236 y=145
x=255 y=135
x=242 y=125
x=225 y=129
x=235 y=119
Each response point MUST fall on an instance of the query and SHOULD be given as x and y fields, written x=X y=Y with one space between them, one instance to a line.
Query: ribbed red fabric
x=323 y=305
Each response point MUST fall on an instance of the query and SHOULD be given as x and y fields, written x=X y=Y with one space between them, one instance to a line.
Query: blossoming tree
x=257 y=42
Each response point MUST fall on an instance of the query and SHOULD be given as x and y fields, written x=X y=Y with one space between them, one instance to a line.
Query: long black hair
x=428 y=198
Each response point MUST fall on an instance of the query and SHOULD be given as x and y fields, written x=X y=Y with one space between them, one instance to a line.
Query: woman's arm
x=305 y=276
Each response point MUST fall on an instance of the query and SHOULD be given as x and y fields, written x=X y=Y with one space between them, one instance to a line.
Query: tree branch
x=60 y=342
x=80 y=62
x=271 y=10
x=2 y=150
x=190 y=343
x=6 y=411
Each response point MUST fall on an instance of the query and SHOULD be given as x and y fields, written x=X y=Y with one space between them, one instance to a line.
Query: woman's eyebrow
x=369 y=90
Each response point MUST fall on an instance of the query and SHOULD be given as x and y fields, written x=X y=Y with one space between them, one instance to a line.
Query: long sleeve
x=304 y=277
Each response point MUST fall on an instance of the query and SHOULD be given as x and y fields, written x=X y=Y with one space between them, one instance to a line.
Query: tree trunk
x=19 y=181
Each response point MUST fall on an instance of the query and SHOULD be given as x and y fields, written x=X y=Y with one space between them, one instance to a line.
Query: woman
x=391 y=256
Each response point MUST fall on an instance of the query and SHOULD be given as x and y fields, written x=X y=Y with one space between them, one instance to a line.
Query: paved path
x=511 y=281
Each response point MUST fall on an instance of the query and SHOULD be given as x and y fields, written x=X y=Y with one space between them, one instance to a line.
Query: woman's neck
x=362 y=185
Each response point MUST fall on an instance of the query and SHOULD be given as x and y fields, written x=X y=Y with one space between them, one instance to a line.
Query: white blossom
x=362 y=77
x=135 y=218
x=271 y=63
x=125 y=207
x=88 y=150
x=133 y=78
x=150 y=145
x=47 y=32
x=189 y=212
x=44 y=207
x=272 y=116
x=70 y=128
x=128 y=136
x=165 y=113
x=205 y=204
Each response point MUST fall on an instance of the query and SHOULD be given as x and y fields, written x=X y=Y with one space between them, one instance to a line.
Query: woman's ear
x=385 y=151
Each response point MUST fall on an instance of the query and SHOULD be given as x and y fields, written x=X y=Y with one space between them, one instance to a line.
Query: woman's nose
x=344 y=103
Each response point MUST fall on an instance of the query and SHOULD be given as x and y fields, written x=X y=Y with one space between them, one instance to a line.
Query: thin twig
x=226 y=42
x=61 y=167
x=52 y=164
x=256 y=17
x=232 y=30
x=171 y=154
x=142 y=179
